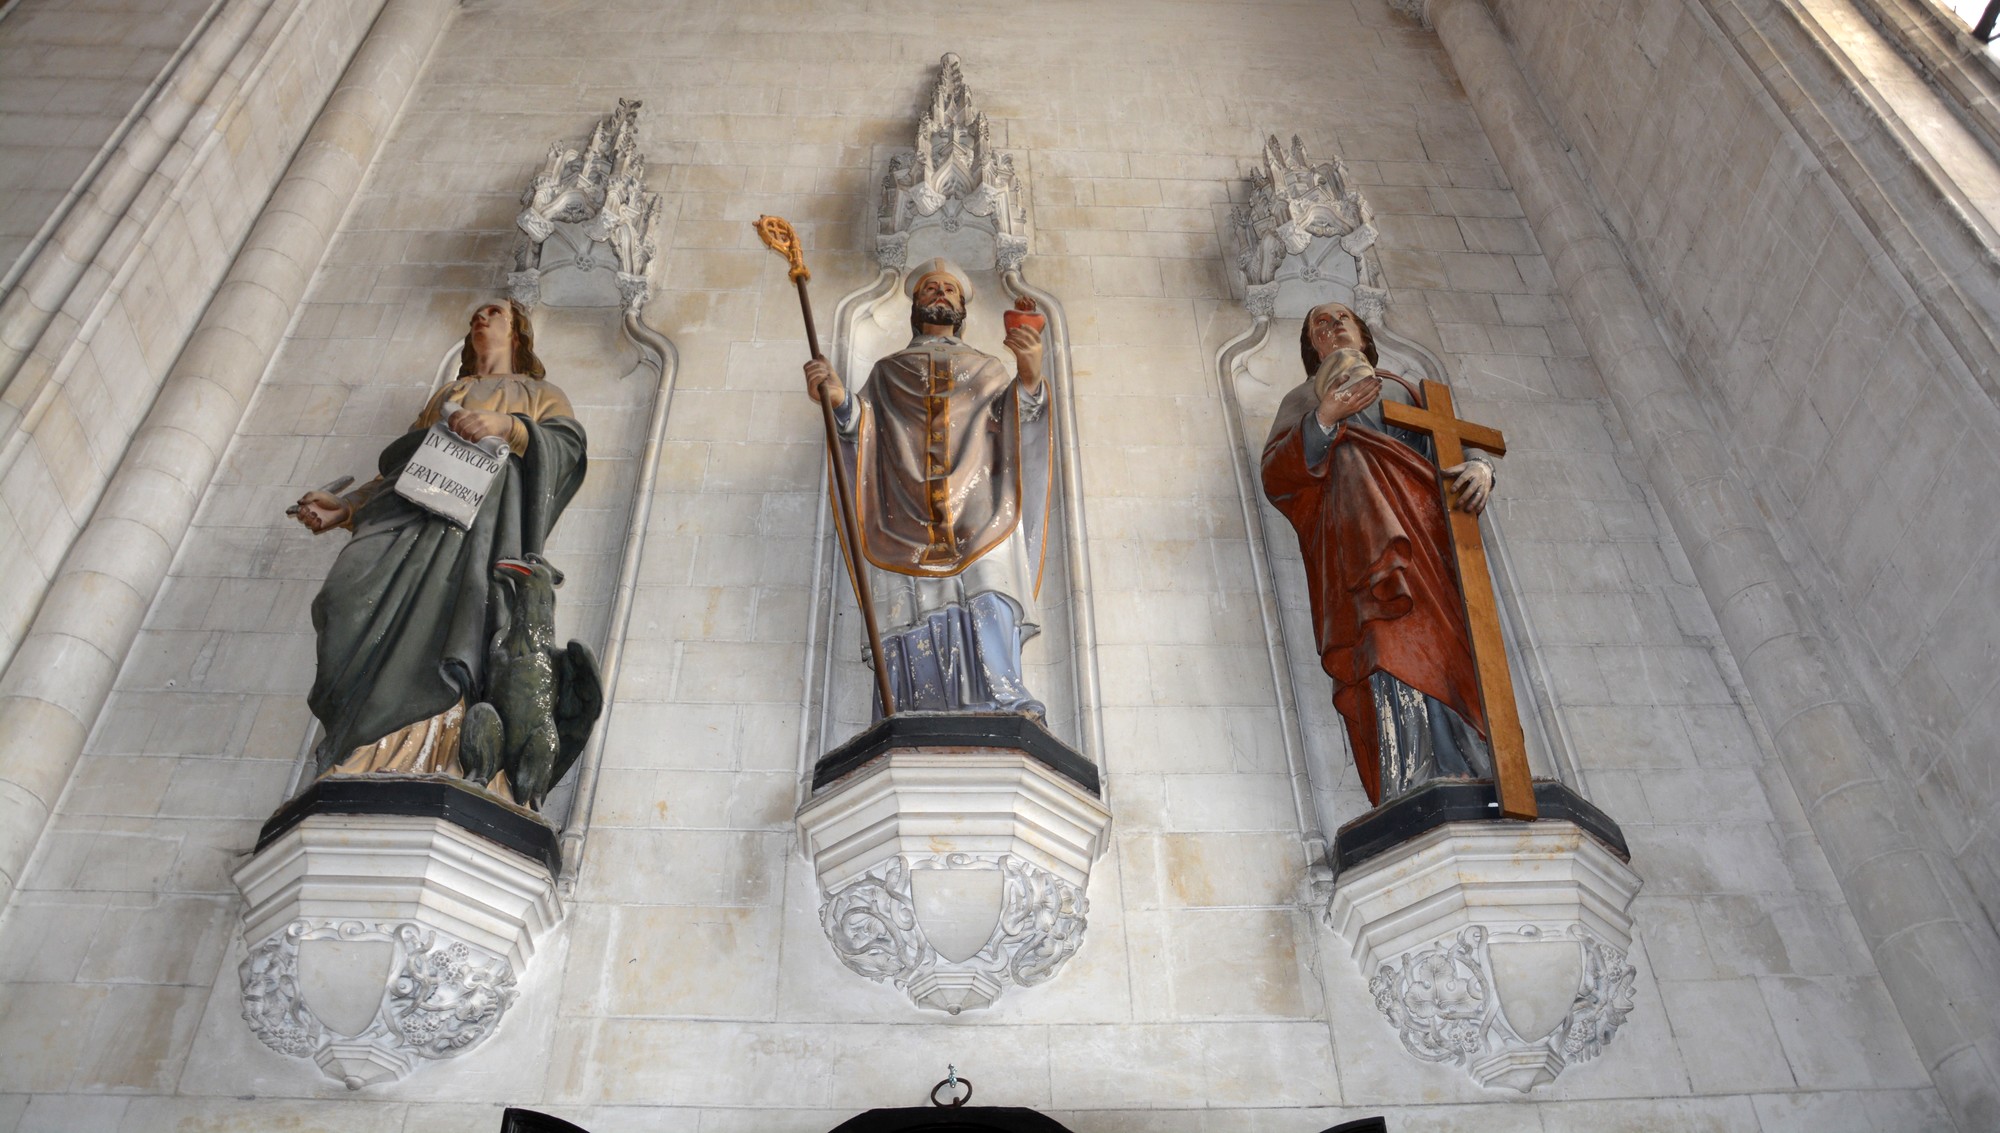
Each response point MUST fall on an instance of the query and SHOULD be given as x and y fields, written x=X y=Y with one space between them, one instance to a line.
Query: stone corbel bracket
x=952 y=179
x=380 y=942
x=589 y=228
x=1305 y=223
x=954 y=874
x=1500 y=947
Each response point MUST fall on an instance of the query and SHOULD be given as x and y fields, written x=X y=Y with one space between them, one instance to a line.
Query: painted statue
x=436 y=650
x=951 y=458
x=1387 y=615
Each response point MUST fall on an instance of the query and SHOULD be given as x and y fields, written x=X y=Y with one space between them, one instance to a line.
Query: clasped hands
x=1471 y=480
x=322 y=511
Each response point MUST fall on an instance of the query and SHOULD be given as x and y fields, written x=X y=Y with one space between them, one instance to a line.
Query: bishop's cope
x=1352 y=461
x=950 y=459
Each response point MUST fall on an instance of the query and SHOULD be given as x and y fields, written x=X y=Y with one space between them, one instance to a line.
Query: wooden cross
x=1482 y=615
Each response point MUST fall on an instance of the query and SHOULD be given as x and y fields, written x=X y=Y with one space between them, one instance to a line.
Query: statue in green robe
x=407 y=617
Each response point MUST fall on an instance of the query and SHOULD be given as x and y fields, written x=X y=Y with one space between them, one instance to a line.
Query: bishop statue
x=950 y=455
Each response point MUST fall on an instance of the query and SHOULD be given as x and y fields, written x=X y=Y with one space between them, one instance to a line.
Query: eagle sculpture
x=541 y=702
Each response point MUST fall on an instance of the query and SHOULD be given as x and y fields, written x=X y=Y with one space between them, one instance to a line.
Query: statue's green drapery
x=403 y=618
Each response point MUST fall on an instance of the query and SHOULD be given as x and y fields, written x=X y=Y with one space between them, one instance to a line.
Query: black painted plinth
x=424 y=796
x=1000 y=1119
x=528 y=1121
x=971 y=731
x=1462 y=800
x=952 y=1119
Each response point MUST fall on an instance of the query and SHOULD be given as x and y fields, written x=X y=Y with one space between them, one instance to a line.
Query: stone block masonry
x=691 y=985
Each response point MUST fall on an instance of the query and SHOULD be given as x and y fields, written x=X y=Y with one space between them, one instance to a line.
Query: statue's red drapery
x=1377 y=548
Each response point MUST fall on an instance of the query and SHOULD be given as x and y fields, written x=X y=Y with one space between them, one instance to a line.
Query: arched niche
x=870 y=324
x=1305 y=238
x=957 y=196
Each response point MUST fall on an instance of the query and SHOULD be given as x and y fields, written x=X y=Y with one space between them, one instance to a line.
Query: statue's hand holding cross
x=1349 y=384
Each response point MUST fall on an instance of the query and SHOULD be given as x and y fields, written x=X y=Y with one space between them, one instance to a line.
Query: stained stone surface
x=690 y=985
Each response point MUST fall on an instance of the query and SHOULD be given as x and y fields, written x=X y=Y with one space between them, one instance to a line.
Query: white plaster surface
x=690 y=985
x=1843 y=382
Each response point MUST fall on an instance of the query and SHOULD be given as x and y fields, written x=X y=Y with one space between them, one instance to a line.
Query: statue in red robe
x=1388 y=618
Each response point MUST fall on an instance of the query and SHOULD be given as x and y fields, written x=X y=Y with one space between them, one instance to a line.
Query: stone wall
x=93 y=316
x=1861 y=415
x=67 y=88
x=692 y=985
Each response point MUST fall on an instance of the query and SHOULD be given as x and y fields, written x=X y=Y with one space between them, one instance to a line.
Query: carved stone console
x=388 y=921
x=1498 y=946
x=952 y=854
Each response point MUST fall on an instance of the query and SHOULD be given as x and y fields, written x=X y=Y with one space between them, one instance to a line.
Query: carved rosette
x=587 y=212
x=952 y=179
x=876 y=931
x=1499 y=949
x=1307 y=230
x=1445 y=1006
x=1437 y=998
x=440 y=998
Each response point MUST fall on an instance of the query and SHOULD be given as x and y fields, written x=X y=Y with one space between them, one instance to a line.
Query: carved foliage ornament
x=587 y=198
x=875 y=930
x=1299 y=216
x=443 y=997
x=1446 y=1007
x=952 y=179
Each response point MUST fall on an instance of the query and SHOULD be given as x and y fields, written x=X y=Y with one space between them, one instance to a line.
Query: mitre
x=935 y=267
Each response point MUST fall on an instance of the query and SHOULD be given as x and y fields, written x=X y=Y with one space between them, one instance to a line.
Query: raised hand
x=1025 y=343
x=1342 y=402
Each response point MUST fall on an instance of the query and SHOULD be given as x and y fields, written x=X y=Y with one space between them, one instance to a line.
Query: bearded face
x=937 y=315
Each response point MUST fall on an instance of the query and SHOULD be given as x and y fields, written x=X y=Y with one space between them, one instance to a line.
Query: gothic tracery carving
x=952 y=178
x=1441 y=1000
x=1300 y=215
x=587 y=198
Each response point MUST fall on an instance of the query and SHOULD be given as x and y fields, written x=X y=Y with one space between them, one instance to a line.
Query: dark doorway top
x=1002 y=1119
x=528 y=1121
x=913 y=1119
x=945 y=1119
